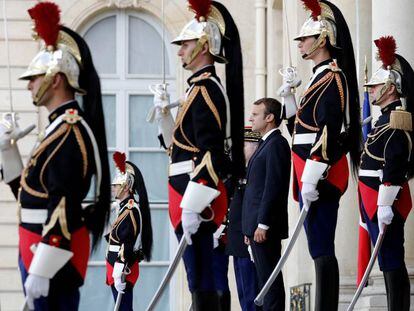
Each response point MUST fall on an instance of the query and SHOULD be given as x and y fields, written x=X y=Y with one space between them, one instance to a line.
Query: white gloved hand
x=119 y=285
x=309 y=193
x=10 y=132
x=35 y=287
x=385 y=216
x=190 y=222
x=249 y=249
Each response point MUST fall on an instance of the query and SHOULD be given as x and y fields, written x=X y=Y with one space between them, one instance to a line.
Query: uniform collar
x=391 y=106
x=325 y=62
x=62 y=108
x=206 y=69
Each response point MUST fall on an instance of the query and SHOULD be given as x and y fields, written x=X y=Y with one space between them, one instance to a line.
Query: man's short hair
x=272 y=106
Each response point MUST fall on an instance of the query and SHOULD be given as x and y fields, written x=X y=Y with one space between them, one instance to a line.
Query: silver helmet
x=207 y=26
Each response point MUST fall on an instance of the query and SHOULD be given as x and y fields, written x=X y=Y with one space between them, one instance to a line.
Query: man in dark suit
x=264 y=217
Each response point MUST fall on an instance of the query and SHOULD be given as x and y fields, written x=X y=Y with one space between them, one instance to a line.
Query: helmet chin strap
x=318 y=42
x=380 y=98
x=46 y=83
x=197 y=49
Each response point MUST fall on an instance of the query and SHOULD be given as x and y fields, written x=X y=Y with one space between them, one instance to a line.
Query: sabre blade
x=367 y=270
x=260 y=297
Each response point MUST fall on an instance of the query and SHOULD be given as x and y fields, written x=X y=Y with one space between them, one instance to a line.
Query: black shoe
x=225 y=300
x=327 y=283
x=397 y=285
x=205 y=301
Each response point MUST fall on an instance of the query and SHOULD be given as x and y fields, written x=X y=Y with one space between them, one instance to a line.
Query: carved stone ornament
x=123 y=4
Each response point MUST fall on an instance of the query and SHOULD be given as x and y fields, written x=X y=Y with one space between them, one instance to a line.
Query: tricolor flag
x=364 y=242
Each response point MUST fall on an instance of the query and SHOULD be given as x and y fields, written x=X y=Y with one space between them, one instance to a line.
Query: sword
x=367 y=270
x=260 y=297
x=170 y=272
x=120 y=294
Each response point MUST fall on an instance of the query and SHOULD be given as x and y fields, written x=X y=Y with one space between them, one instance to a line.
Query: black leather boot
x=225 y=300
x=205 y=301
x=397 y=285
x=327 y=283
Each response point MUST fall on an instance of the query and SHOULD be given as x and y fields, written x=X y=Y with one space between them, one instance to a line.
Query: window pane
x=109 y=107
x=101 y=38
x=160 y=229
x=145 y=56
x=153 y=166
x=141 y=133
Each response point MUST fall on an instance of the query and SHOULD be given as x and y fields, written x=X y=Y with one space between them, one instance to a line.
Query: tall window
x=127 y=52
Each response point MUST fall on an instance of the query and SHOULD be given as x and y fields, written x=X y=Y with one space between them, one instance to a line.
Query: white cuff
x=313 y=171
x=118 y=270
x=197 y=197
x=11 y=163
x=289 y=104
x=48 y=260
x=387 y=195
x=262 y=226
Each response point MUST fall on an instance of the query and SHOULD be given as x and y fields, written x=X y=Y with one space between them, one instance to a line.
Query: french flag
x=364 y=241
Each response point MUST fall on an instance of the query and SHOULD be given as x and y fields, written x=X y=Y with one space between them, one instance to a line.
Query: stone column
x=260 y=70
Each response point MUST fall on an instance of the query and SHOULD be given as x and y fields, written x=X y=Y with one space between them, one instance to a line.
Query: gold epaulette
x=401 y=120
x=131 y=204
x=203 y=76
x=333 y=66
x=71 y=116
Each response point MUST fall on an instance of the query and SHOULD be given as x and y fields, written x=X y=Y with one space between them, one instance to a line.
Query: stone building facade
x=123 y=36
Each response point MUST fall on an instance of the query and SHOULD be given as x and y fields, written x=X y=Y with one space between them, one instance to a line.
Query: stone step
x=11 y=301
x=8 y=213
x=10 y=280
x=9 y=235
x=8 y=257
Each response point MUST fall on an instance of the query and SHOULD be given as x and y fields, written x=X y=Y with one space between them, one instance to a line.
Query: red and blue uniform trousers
x=64 y=286
x=131 y=279
x=320 y=223
x=391 y=253
x=198 y=258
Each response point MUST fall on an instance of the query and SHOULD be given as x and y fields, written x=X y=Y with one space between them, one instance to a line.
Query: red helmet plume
x=386 y=50
x=200 y=7
x=314 y=6
x=120 y=159
x=46 y=16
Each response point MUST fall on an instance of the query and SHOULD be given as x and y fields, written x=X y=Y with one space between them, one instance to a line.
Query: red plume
x=119 y=159
x=200 y=7
x=46 y=16
x=314 y=6
x=386 y=50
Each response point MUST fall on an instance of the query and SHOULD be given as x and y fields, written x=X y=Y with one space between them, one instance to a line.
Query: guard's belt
x=114 y=248
x=304 y=139
x=179 y=168
x=33 y=216
x=370 y=173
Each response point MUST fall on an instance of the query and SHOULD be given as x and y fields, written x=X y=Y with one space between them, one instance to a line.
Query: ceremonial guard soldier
x=54 y=241
x=208 y=132
x=386 y=166
x=325 y=127
x=130 y=239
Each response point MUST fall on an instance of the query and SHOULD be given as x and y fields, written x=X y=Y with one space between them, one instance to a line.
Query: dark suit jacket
x=267 y=189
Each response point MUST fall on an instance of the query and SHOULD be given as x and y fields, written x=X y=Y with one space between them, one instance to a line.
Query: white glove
x=35 y=287
x=290 y=82
x=117 y=274
x=309 y=194
x=10 y=133
x=191 y=222
x=385 y=216
x=161 y=112
x=119 y=285
x=249 y=249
